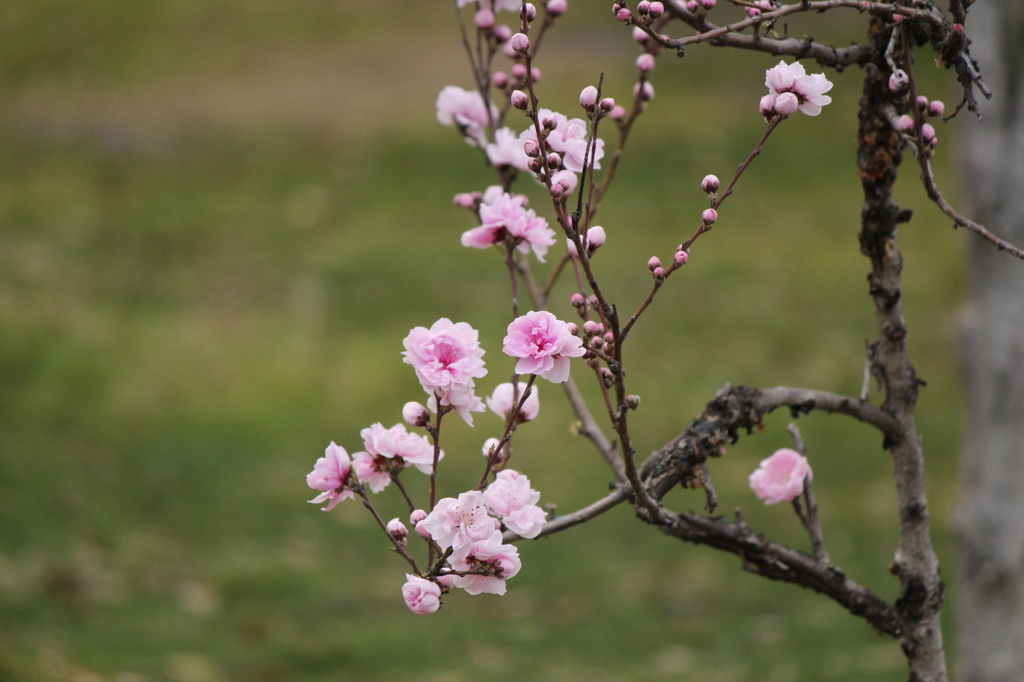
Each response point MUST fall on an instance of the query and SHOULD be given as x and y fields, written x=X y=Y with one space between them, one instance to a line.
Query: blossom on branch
x=511 y=498
x=543 y=344
x=504 y=399
x=421 y=596
x=496 y=561
x=787 y=82
x=467 y=110
x=506 y=215
x=568 y=137
x=780 y=478
x=390 y=450
x=332 y=474
x=447 y=358
x=458 y=522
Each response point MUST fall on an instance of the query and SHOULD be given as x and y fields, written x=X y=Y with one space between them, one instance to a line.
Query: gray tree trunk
x=990 y=518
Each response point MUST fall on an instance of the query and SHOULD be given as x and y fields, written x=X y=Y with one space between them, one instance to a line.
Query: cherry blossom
x=421 y=596
x=793 y=81
x=467 y=110
x=332 y=474
x=503 y=398
x=512 y=499
x=459 y=522
x=780 y=478
x=543 y=344
x=568 y=138
x=489 y=555
x=505 y=214
x=447 y=358
x=507 y=150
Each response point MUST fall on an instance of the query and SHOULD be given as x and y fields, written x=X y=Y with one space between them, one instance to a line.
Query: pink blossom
x=792 y=78
x=507 y=150
x=399 y=445
x=421 y=596
x=503 y=399
x=489 y=555
x=447 y=358
x=467 y=110
x=511 y=498
x=332 y=474
x=458 y=522
x=372 y=471
x=504 y=215
x=568 y=138
x=780 y=478
x=543 y=344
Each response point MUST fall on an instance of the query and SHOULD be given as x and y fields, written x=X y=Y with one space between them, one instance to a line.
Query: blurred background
x=219 y=219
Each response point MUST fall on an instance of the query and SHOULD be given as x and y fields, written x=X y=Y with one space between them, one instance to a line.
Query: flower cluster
x=791 y=88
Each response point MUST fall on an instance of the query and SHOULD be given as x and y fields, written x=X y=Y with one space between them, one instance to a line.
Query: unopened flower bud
x=681 y=257
x=659 y=274
x=489 y=445
x=566 y=179
x=416 y=516
x=531 y=148
x=554 y=160
x=528 y=12
x=643 y=7
x=592 y=328
x=928 y=135
x=692 y=6
x=624 y=15
x=499 y=79
x=502 y=33
x=921 y=102
x=609 y=337
x=520 y=100
x=519 y=71
x=905 y=124
x=786 y=103
x=549 y=122
x=606 y=105
x=484 y=19
x=465 y=200
x=656 y=9
x=415 y=414
x=398 y=531
x=767 y=106
x=645 y=63
x=593 y=302
x=645 y=90
x=556 y=8
x=535 y=75
x=710 y=184
x=595 y=237
x=707 y=4
x=653 y=263
x=573 y=328
x=936 y=107
x=632 y=401
x=588 y=98
x=577 y=301
x=709 y=216
x=520 y=44
x=597 y=343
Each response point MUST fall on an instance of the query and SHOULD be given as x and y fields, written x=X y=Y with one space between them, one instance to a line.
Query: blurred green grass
x=217 y=222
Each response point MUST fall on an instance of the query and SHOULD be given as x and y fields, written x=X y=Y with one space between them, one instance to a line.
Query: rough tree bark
x=990 y=517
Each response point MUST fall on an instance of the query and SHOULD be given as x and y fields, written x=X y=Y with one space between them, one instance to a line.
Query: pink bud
x=640 y=35
x=502 y=33
x=643 y=7
x=573 y=329
x=936 y=107
x=707 y=4
x=421 y=529
x=624 y=15
x=606 y=105
x=519 y=71
x=577 y=301
x=556 y=8
x=499 y=79
x=520 y=44
x=905 y=124
x=645 y=63
x=415 y=414
x=528 y=12
x=659 y=274
x=681 y=257
x=618 y=113
x=645 y=90
x=489 y=446
x=710 y=184
x=928 y=134
x=656 y=9
x=632 y=401
x=767 y=105
x=520 y=100
x=595 y=237
x=398 y=531
x=786 y=103
x=653 y=263
x=554 y=161
x=535 y=74
x=565 y=179
x=709 y=216
x=484 y=19
x=609 y=337
x=692 y=5
x=588 y=98
x=592 y=328
x=417 y=516
x=531 y=148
